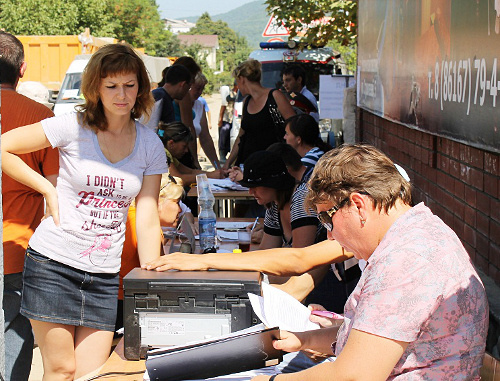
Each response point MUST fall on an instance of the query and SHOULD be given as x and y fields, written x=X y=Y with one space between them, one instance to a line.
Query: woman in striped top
x=302 y=133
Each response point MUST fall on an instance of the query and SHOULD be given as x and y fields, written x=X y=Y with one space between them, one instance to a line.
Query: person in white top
x=294 y=81
x=107 y=159
x=200 y=121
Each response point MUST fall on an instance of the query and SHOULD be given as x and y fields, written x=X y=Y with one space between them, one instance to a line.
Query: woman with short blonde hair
x=264 y=113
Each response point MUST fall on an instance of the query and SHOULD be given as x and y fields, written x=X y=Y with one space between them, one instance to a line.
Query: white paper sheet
x=227 y=236
x=232 y=224
x=257 y=303
x=243 y=376
x=225 y=184
x=279 y=309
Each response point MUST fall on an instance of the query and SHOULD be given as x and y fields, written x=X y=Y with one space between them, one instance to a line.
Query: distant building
x=209 y=43
x=178 y=26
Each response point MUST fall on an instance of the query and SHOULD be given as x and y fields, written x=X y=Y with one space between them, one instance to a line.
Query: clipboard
x=211 y=358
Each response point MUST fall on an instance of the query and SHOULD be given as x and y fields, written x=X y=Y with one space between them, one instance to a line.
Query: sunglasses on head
x=179 y=135
x=326 y=216
x=172 y=180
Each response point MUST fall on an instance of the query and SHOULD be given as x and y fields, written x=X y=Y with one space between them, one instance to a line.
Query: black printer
x=163 y=309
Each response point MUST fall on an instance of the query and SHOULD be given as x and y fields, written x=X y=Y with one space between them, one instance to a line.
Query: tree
x=318 y=21
x=348 y=55
x=136 y=22
x=53 y=17
x=232 y=48
x=140 y=25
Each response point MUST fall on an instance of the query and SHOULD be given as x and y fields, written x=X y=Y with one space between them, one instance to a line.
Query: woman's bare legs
x=56 y=343
x=69 y=352
x=92 y=349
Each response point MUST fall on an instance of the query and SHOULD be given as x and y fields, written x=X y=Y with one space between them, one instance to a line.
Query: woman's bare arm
x=280 y=262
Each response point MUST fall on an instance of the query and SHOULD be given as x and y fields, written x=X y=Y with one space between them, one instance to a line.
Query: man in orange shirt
x=23 y=208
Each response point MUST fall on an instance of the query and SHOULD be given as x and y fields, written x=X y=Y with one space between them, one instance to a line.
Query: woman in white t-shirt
x=107 y=160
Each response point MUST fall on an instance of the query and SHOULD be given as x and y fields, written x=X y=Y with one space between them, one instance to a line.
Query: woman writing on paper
x=176 y=138
x=420 y=310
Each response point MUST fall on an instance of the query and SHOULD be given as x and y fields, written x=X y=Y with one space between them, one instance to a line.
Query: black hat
x=266 y=169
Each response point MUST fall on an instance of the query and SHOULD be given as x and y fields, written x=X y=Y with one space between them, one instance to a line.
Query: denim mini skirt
x=57 y=293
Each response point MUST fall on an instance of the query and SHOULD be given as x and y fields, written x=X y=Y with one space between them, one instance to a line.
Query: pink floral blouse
x=420 y=287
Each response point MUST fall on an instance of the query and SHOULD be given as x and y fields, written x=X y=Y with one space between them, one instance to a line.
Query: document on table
x=225 y=184
x=232 y=224
x=227 y=236
x=241 y=376
x=276 y=308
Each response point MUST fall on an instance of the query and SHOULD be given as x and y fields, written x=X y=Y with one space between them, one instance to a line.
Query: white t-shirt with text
x=94 y=195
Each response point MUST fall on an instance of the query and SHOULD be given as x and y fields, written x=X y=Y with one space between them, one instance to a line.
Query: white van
x=70 y=94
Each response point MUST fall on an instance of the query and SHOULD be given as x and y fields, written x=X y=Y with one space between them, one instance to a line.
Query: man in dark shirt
x=177 y=83
x=23 y=207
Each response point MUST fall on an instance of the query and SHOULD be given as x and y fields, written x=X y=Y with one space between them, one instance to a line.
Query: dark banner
x=433 y=65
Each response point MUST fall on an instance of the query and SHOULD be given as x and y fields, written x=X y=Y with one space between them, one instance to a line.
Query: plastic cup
x=244 y=238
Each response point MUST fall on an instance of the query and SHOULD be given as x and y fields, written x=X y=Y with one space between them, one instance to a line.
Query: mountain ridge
x=248 y=20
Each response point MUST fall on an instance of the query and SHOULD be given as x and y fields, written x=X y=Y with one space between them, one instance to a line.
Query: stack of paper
x=236 y=352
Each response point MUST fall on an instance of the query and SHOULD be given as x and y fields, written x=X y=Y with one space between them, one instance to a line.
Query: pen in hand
x=327 y=314
x=254 y=224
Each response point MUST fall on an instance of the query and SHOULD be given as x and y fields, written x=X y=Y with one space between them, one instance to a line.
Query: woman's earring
x=363 y=222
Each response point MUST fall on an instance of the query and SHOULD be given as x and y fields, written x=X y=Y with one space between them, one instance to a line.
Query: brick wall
x=461 y=184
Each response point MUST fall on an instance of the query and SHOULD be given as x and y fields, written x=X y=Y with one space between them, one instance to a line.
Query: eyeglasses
x=326 y=216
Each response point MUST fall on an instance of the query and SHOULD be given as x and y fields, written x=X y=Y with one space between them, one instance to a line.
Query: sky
x=176 y=9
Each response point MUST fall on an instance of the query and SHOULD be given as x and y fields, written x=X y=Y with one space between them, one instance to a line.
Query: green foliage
x=348 y=55
x=232 y=48
x=301 y=18
x=53 y=17
x=137 y=22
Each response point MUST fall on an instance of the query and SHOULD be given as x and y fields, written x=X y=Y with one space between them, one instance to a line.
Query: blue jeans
x=56 y=293
x=18 y=334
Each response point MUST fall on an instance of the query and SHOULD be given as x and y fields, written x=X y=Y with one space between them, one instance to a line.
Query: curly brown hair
x=357 y=168
x=109 y=60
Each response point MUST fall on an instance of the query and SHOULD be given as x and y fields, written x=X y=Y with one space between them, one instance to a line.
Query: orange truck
x=49 y=57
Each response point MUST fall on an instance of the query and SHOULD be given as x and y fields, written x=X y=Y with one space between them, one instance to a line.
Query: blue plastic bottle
x=206 y=215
